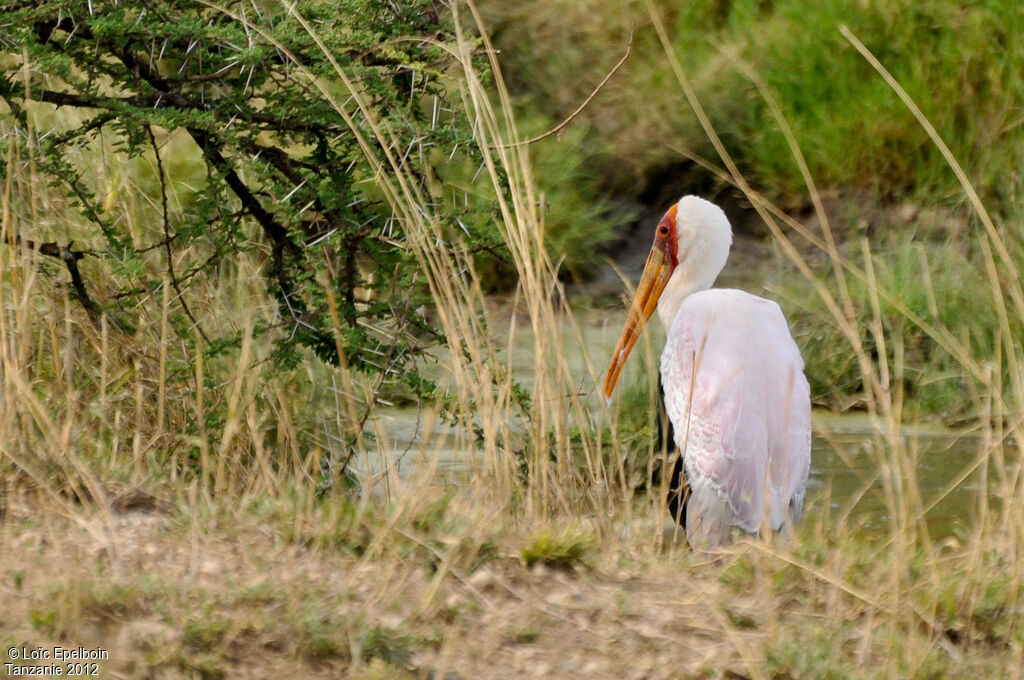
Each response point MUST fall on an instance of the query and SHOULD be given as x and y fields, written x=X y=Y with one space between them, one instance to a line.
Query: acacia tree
x=275 y=154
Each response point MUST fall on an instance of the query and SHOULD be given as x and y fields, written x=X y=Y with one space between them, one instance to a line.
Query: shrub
x=238 y=154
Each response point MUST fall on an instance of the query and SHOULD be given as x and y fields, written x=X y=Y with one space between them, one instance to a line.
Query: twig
x=167 y=235
x=558 y=128
x=70 y=258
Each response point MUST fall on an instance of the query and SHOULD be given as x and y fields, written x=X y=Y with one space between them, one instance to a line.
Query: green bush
x=958 y=60
x=938 y=282
x=238 y=154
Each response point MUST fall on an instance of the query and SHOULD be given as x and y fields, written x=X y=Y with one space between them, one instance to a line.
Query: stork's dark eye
x=662 y=231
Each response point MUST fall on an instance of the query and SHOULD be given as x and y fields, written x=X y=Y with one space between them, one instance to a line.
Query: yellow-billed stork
x=732 y=380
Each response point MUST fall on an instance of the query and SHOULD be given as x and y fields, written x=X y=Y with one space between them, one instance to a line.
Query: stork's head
x=691 y=244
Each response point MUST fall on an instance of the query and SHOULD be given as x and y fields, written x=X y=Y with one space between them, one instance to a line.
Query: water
x=849 y=465
x=850 y=460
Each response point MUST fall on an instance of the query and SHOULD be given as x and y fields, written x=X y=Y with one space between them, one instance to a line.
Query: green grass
x=561 y=549
x=955 y=59
x=939 y=282
x=948 y=56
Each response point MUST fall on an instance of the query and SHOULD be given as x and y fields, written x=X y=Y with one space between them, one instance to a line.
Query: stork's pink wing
x=740 y=405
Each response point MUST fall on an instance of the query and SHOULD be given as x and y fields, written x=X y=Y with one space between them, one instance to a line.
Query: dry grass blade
x=1000 y=285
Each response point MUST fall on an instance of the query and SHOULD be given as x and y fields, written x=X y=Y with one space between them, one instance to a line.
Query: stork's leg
x=678 y=490
x=796 y=506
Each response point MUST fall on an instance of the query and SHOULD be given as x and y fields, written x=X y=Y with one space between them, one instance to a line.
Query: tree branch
x=155 y=100
x=168 y=238
x=579 y=109
x=70 y=258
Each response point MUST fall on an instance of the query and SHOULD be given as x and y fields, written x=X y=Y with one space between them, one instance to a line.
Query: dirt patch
x=166 y=598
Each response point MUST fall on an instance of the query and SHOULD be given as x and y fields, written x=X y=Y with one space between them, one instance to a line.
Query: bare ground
x=165 y=598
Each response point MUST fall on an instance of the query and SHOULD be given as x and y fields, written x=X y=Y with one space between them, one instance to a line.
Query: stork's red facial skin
x=666 y=238
x=662 y=261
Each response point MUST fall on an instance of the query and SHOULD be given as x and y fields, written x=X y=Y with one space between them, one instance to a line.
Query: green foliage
x=239 y=154
x=938 y=282
x=563 y=549
x=322 y=636
x=812 y=652
x=388 y=644
x=205 y=631
x=94 y=600
x=955 y=59
x=579 y=220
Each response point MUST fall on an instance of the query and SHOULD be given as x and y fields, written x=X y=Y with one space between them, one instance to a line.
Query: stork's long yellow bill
x=657 y=272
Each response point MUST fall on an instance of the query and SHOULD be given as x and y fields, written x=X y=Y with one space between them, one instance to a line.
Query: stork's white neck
x=678 y=289
x=704 y=240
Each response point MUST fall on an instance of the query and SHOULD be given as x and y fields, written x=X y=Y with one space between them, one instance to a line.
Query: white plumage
x=733 y=381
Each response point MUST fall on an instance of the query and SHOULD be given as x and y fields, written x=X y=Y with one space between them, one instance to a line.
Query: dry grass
x=215 y=554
